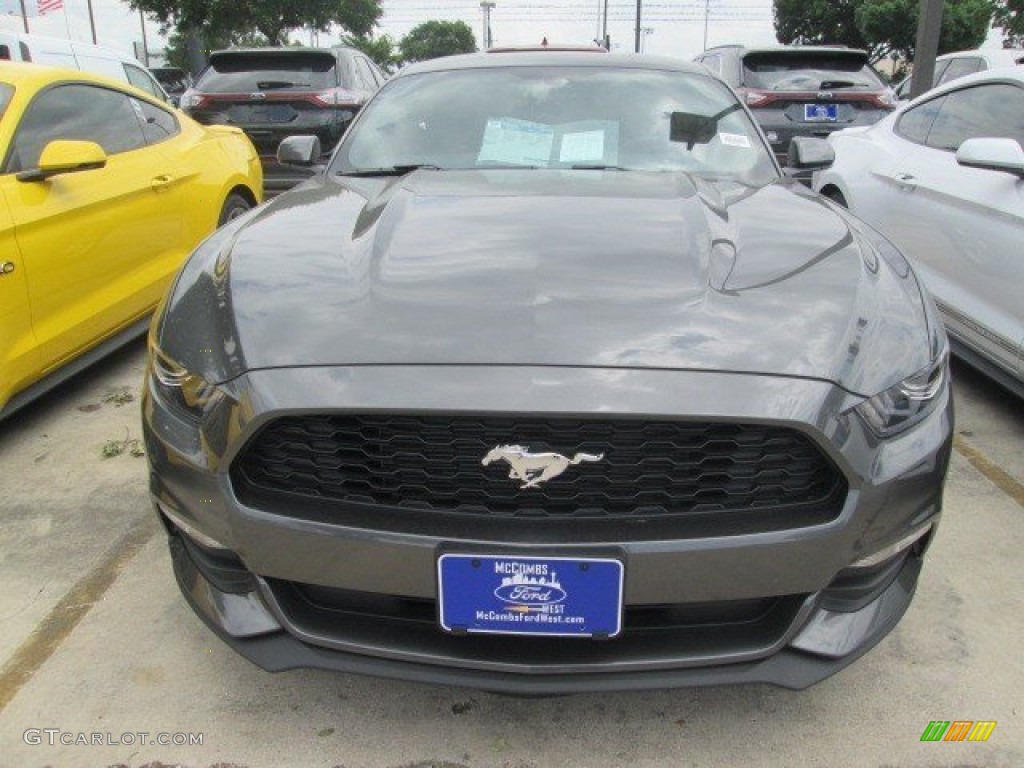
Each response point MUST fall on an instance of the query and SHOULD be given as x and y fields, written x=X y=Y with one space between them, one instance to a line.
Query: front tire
x=233 y=207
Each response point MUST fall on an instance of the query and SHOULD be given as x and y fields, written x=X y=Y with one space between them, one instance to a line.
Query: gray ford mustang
x=551 y=382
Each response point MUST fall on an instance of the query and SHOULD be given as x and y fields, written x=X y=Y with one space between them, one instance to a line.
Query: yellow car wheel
x=234 y=206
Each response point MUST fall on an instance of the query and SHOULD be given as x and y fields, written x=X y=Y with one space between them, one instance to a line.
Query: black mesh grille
x=649 y=468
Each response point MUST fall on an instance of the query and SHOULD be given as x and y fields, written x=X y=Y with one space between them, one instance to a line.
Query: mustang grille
x=649 y=468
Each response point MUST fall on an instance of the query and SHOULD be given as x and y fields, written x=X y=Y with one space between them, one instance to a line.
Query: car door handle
x=905 y=180
x=6 y=268
x=163 y=181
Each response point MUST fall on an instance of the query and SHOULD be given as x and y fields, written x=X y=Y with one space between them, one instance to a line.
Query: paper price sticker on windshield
x=516 y=142
x=734 y=140
x=582 y=147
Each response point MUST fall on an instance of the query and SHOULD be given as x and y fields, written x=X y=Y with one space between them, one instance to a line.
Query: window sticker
x=734 y=140
x=582 y=147
x=511 y=141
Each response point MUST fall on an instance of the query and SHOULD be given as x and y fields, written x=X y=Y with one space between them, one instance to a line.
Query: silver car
x=552 y=382
x=942 y=179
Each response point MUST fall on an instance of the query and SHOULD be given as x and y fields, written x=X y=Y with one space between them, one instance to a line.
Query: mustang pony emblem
x=534 y=468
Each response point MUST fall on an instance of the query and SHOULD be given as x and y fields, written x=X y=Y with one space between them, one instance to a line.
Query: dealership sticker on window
x=734 y=140
x=516 y=142
x=582 y=147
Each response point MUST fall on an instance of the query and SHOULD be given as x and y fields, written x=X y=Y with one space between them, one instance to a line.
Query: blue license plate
x=821 y=113
x=508 y=595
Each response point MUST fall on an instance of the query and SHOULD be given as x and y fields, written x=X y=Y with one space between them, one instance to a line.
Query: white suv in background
x=74 y=54
x=951 y=66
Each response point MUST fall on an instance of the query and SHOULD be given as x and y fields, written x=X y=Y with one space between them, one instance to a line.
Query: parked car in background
x=802 y=90
x=75 y=54
x=174 y=80
x=951 y=66
x=272 y=93
x=105 y=190
x=943 y=178
x=549 y=383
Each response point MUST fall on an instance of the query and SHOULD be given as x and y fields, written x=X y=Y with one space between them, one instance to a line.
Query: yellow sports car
x=103 y=193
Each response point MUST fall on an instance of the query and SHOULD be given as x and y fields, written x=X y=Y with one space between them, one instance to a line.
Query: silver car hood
x=547 y=268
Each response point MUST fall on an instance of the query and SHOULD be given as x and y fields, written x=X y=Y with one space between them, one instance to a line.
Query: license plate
x=509 y=595
x=821 y=113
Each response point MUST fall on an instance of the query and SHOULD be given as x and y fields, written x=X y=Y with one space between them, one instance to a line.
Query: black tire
x=233 y=207
x=835 y=196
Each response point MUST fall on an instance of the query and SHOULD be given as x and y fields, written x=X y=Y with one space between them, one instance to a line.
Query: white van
x=73 y=54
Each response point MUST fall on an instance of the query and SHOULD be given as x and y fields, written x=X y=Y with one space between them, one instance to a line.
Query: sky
x=676 y=27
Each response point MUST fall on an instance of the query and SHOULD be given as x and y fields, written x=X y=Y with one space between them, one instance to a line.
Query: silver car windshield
x=576 y=118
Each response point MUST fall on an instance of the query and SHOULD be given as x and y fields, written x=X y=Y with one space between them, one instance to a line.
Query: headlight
x=901 y=406
x=188 y=393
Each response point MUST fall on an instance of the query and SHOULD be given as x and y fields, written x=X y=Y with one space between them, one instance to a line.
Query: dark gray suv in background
x=272 y=93
x=802 y=90
x=550 y=383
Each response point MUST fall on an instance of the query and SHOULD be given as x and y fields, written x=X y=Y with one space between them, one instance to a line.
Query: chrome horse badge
x=535 y=468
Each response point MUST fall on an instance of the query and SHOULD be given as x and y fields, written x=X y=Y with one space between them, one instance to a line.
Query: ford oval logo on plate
x=527 y=590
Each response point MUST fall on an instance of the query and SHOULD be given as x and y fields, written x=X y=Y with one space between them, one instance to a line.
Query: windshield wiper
x=596 y=167
x=825 y=84
x=391 y=170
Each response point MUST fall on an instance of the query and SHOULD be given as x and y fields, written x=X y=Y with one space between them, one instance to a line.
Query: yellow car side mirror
x=66 y=157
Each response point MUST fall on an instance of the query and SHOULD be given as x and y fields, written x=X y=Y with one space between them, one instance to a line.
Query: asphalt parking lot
x=95 y=639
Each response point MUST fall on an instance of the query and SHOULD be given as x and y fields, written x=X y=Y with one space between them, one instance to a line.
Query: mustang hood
x=548 y=268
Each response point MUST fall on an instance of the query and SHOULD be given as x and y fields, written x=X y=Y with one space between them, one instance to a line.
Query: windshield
x=248 y=72
x=808 y=71
x=579 y=118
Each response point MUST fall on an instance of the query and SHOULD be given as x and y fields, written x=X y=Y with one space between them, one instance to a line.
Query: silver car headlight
x=188 y=393
x=905 y=404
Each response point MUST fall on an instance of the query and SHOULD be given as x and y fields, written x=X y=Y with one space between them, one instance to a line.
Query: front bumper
x=808 y=612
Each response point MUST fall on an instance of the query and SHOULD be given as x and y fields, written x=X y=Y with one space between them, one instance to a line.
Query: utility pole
x=926 y=47
x=486 y=5
x=604 y=24
x=24 y=16
x=639 y=14
x=145 y=45
x=92 y=22
x=707 y=13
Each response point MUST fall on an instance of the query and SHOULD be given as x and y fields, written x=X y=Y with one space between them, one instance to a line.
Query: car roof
x=1009 y=55
x=553 y=59
x=795 y=49
x=997 y=75
x=548 y=47
x=290 y=50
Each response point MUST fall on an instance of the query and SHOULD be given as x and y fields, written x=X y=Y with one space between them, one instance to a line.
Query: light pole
x=639 y=15
x=486 y=5
x=647 y=32
x=707 y=12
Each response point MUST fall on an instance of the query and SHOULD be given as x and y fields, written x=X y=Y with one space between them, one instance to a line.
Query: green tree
x=382 y=49
x=891 y=25
x=176 y=50
x=881 y=27
x=271 y=18
x=820 y=22
x=1009 y=14
x=433 y=39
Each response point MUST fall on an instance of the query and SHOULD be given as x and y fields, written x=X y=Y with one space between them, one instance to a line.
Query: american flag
x=45 y=6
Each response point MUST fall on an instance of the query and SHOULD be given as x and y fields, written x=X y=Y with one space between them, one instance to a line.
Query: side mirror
x=809 y=154
x=992 y=155
x=61 y=156
x=299 y=150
